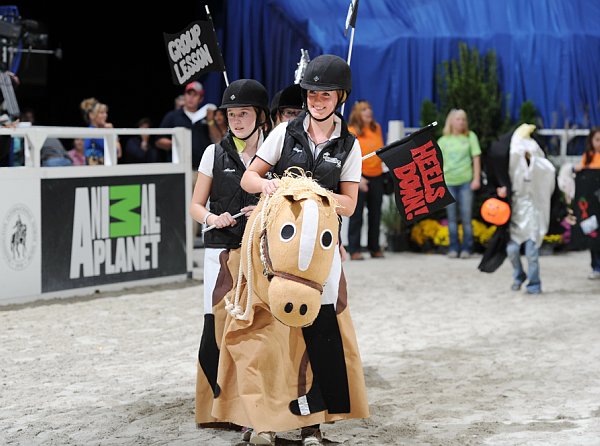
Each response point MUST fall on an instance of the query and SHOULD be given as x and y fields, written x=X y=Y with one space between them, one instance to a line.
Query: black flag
x=193 y=52
x=587 y=208
x=351 y=17
x=417 y=168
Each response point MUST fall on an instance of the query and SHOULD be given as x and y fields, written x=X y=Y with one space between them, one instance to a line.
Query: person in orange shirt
x=591 y=160
x=370 y=190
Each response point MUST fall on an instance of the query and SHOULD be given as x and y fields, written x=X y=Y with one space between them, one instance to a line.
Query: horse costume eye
x=326 y=239
x=287 y=232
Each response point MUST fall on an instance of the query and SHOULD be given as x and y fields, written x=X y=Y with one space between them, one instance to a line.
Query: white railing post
x=110 y=150
x=563 y=146
x=36 y=141
x=395 y=131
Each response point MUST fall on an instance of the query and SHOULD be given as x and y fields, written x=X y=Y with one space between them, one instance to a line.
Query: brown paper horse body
x=286 y=360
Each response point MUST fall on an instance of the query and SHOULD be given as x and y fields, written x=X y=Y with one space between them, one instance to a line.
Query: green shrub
x=527 y=113
x=471 y=83
x=429 y=114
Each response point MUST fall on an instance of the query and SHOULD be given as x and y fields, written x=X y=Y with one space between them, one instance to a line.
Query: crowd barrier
x=559 y=149
x=75 y=230
x=558 y=156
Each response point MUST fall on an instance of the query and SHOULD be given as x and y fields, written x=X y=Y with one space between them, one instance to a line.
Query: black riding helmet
x=291 y=97
x=325 y=73
x=247 y=93
x=275 y=104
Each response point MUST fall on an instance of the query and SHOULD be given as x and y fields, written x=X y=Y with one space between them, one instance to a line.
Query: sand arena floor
x=451 y=356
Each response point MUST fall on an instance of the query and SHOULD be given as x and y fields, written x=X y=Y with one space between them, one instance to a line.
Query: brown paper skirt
x=263 y=366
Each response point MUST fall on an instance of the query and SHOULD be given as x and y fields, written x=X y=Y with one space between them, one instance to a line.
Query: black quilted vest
x=327 y=167
x=226 y=195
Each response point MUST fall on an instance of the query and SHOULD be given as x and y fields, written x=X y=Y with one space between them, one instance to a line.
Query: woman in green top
x=462 y=169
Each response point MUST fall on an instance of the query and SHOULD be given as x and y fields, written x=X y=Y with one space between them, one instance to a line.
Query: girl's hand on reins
x=248 y=210
x=222 y=221
x=270 y=186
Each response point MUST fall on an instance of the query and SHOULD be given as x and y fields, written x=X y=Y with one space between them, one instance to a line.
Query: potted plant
x=395 y=226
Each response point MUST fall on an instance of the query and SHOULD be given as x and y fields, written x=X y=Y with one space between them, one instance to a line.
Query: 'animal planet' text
x=115 y=230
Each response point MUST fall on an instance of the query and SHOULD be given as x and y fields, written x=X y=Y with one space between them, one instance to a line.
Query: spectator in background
x=95 y=114
x=591 y=160
x=370 y=189
x=179 y=102
x=6 y=142
x=27 y=119
x=273 y=108
x=6 y=146
x=76 y=153
x=141 y=148
x=220 y=123
x=462 y=170
x=287 y=104
x=53 y=154
x=532 y=183
x=195 y=118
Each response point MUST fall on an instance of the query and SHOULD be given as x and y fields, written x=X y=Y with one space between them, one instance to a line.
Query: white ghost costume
x=532 y=187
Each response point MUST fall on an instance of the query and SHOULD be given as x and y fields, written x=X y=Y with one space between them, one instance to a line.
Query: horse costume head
x=287 y=250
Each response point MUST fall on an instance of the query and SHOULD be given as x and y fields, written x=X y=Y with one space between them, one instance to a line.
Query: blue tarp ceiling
x=548 y=50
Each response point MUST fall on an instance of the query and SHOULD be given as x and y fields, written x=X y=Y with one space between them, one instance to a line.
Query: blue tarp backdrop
x=548 y=51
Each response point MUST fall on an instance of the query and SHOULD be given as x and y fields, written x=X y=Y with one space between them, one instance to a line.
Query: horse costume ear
x=305 y=194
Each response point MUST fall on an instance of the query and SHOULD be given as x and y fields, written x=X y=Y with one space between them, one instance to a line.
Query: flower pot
x=397 y=242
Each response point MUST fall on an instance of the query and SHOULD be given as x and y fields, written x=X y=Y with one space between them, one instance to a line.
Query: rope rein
x=235 y=309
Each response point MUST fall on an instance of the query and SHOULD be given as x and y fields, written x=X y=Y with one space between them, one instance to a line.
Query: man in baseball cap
x=196 y=86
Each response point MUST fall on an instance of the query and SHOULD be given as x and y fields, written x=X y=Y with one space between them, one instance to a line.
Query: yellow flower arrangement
x=554 y=239
x=482 y=232
x=429 y=229
x=439 y=235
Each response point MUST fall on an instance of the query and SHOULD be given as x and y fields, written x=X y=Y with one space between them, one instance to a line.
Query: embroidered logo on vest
x=227 y=169
x=297 y=149
x=329 y=159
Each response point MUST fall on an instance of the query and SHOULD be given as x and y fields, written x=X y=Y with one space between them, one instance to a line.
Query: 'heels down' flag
x=193 y=51
x=417 y=168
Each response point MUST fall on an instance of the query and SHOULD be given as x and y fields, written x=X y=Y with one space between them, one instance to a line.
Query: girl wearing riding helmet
x=318 y=141
x=246 y=104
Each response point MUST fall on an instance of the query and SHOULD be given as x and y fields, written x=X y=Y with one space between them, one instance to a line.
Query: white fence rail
x=397 y=130
x=74 y=230
x=35 y=137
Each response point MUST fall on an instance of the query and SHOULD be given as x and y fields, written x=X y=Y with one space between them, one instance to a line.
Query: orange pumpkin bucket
x=495 y=211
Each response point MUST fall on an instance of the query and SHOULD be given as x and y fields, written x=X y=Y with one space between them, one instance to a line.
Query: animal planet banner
x=587 y=206
x=418 y=170
x=193 y=52
x=113 y=229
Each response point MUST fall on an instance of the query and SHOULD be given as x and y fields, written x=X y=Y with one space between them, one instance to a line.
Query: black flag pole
x=350 y=23
x=400 y=141
x=213 y=26
x=349 y=58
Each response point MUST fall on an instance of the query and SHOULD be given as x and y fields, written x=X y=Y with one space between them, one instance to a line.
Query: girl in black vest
x=318 y=141
x=246 y=104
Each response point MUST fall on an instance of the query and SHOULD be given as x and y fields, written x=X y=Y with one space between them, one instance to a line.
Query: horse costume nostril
x=289 y=307
x=303 y=309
